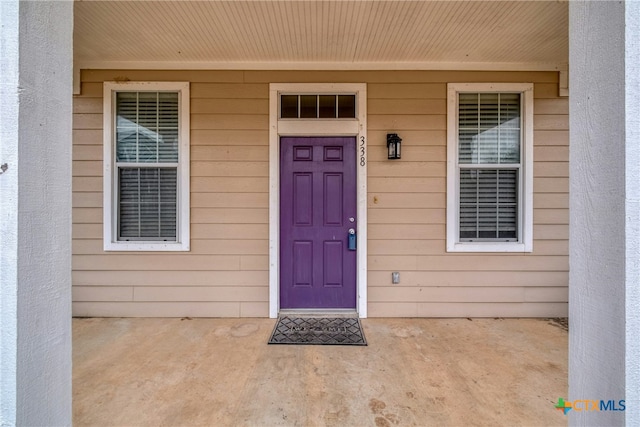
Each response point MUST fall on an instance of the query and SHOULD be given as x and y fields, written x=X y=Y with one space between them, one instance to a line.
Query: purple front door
x=317 y=210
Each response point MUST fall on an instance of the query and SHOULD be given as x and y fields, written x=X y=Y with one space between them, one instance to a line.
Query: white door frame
x=319 y=127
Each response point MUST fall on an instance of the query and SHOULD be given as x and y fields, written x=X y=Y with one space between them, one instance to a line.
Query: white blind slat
x=147 y=127
x=147 y=132
x=488 y=204
x=489 y=128
x=148 y=203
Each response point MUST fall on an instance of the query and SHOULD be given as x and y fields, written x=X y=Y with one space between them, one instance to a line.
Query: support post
x=36 y=53
x=604 y=239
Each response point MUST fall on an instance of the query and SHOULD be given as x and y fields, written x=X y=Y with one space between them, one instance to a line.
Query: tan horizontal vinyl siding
x=407 y=210
x=226 y=271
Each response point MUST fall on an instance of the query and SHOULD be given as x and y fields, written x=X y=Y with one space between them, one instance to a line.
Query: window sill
x=146 y=247
x=489 y=247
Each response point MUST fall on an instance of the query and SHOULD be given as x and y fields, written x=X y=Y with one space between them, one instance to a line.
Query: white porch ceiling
x=322 y=34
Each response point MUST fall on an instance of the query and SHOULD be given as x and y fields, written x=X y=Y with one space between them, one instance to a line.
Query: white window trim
x=525 y=201
x=109 y=179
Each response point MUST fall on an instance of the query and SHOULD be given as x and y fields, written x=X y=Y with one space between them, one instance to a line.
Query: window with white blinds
x=148 y=170
x=489 y=134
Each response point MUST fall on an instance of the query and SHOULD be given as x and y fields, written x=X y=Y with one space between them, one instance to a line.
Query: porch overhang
x=322 y=35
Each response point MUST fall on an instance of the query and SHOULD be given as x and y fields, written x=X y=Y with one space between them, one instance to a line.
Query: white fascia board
x=267 y=65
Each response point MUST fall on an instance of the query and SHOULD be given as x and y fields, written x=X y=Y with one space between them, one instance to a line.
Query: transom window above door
x=317 y=106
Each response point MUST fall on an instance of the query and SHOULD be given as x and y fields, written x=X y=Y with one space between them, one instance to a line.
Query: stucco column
x=632 y=211
x=604 y=205
x=35 y=212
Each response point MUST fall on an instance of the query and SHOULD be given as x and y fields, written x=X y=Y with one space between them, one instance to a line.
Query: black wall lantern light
x=393 y=146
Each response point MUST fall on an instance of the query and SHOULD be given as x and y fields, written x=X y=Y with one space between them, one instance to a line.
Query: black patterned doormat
x=318 y=331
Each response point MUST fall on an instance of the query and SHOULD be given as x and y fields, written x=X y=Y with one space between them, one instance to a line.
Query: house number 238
x=363 y=151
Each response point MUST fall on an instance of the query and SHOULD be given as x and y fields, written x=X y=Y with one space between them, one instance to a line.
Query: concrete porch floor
x=221 y=372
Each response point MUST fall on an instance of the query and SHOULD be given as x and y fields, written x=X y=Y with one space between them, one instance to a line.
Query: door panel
x=302 y=263
x=317 y=203
x=303 y=204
